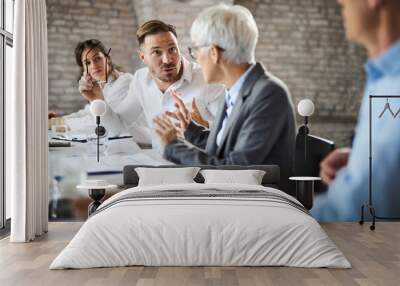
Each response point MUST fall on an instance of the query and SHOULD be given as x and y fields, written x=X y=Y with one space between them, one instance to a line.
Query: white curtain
x=26 y=124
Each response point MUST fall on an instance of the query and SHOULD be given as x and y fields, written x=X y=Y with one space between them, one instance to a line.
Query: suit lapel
x=246 y=89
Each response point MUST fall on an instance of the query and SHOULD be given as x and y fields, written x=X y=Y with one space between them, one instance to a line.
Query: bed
x=201 y=224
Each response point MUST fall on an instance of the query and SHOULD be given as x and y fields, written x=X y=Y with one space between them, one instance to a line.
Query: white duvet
x=185 y=231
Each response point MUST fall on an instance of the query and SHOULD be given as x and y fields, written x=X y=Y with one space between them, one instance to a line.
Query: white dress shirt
x=145 y=100
x=114 y=92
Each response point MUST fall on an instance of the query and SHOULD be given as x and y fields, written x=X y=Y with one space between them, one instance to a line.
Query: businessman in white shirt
x=167 y=71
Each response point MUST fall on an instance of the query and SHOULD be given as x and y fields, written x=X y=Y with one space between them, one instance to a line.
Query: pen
x=84 y=140
x=70 y=140
x=119 y=137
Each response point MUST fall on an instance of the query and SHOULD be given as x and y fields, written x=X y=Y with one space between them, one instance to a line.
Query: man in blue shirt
x=376 y=25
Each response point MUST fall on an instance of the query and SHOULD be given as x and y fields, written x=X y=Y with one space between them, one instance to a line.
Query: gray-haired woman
x=255 y=124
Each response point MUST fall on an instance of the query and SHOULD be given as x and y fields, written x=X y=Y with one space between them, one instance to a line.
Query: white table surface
x=76 y=164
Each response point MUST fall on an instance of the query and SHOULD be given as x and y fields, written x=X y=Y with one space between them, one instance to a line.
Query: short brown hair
x=153 y=27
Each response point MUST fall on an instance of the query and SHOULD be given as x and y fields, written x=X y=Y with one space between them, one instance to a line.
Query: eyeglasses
x=193 y=50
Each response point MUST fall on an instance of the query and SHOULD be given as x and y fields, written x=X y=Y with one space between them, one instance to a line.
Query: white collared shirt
x=145 y=101
x=114 y=92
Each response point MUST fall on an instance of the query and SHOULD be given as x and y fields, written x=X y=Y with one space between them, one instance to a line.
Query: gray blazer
x=260 y=130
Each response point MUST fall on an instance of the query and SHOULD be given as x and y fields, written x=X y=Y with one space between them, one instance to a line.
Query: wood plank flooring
x=375 y=257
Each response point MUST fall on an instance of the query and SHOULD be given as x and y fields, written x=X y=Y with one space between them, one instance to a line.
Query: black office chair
x=310 y=150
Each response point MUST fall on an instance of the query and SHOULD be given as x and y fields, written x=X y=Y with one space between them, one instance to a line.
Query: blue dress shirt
x=230 y=99
x=349 y=190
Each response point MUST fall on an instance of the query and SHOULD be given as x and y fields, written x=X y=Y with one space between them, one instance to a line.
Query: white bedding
x=183 y=231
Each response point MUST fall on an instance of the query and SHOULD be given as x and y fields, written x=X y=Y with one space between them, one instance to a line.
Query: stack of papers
x=115 y=163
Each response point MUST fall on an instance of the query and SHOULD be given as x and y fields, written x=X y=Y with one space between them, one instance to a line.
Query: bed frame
x=270 y=179
x=131 y=178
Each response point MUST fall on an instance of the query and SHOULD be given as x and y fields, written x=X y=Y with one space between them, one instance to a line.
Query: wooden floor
x=375 y=257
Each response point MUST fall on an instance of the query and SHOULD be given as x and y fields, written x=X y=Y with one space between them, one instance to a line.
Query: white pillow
x=165 y=176
x=248 y=177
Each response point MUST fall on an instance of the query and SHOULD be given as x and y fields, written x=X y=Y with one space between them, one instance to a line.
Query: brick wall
x=71 y=21
x=179 y=13
x=301 y=41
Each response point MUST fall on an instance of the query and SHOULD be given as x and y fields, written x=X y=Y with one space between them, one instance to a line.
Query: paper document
x=116 y=163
